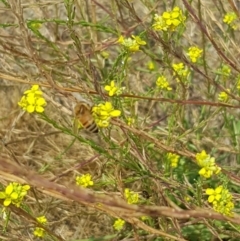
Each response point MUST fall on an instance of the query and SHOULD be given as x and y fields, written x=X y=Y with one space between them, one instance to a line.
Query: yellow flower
x=162 y=83
x=226 y=209
x=108 y=110
x=202 y=156
x=130 y=121
x=14 y=193
x=169 y=20
x=221 y=200
x=208 y=165
x=194 y=53
x=39 y=232
x=180 y=70
x=112 y=89
x=23 y=103
x=103 y=113
x=84 y=180
x=139 y=41
x=118 y=224
x=121 y=39
x=225 y=70
x=214 y=194
x=34 y=91
x=174 y=159
x=159 y=23
x=205 y=172
x=134 y=47
x=42 y=219
x=150 y=65
x=131 y=44
x=35 y=104
x=131 y=197
x=32 y=100
x=223 y=96
x=230 y=19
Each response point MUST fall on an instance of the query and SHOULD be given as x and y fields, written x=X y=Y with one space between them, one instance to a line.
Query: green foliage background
x=62 y=47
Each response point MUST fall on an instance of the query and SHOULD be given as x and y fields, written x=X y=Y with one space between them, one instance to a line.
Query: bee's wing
x=80 y=98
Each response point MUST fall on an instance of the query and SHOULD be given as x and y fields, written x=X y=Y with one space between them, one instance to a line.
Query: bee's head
x=81 y=108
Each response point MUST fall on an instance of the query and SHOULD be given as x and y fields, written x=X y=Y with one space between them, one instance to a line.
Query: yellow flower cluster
x=131 y=44
x=169 y=20
x=38 y=231
x=223 y=96
x=180 y=70
x=14 y=194
x=194 y=53
x=113 y=90
x=150 y=65
x=174 y=159
x=118 y=224
x=130 y=121
x=32 y=100
x=208 y=164
x=131 y=197
x=221 y=200
x=103 y=113
x=230 y=19
x=225 y=70
x=84 y=180
x=162 y=83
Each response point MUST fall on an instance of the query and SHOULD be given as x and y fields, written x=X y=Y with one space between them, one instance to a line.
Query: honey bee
x=84 y=118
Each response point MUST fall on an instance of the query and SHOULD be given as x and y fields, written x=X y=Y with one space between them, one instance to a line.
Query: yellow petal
x=107 y=88
x=14 y=196
x=209 y=191
x=30 y=108
x=166 y=15
x=211 y=198
x=31 y=99
x=9 y=189
x=41 y=101
x=35 y=87
x=115 y=113
x=7 y=202
x=39 y=109
x=121 y=39
x=219 y=189
x=26 y=187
